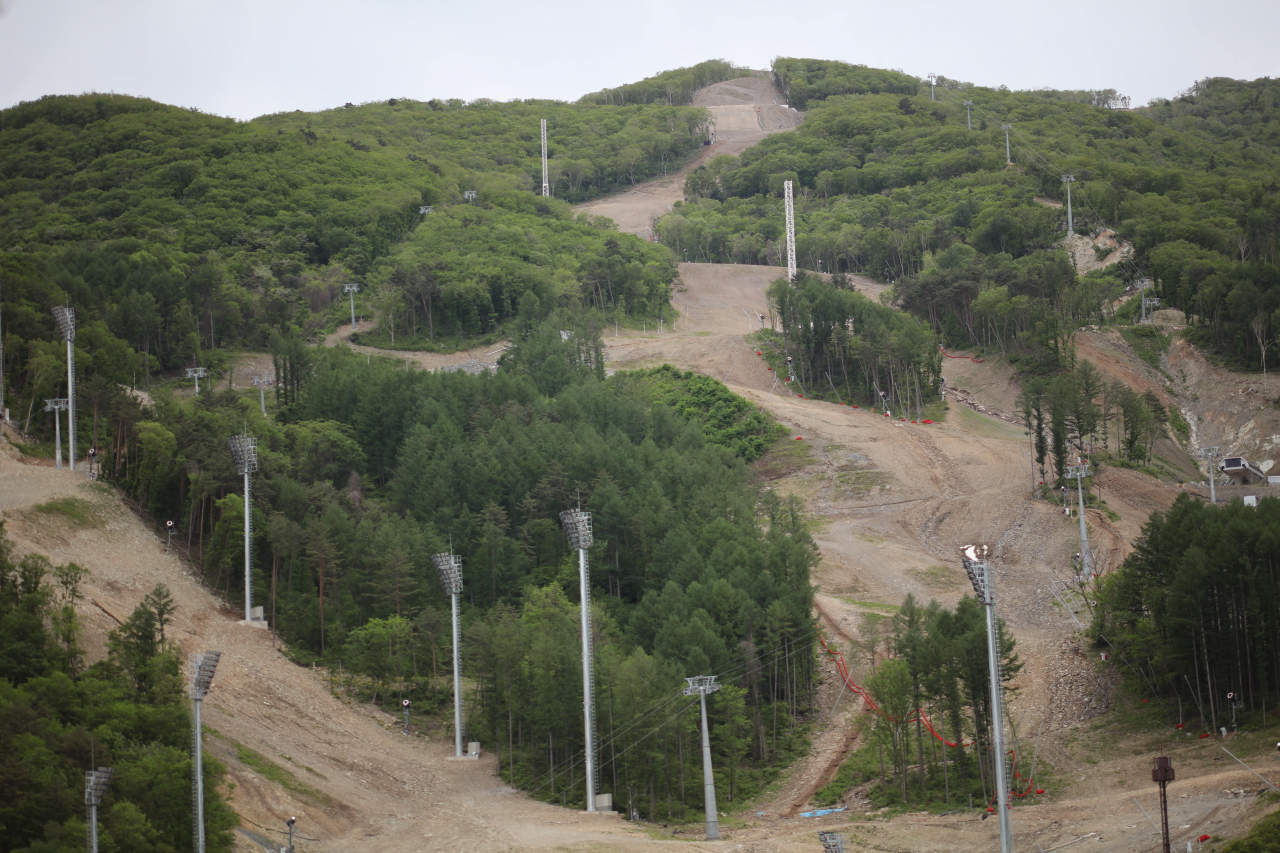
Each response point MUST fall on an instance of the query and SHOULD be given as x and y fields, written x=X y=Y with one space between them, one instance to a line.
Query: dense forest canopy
x=918 y=192
x=673 y=88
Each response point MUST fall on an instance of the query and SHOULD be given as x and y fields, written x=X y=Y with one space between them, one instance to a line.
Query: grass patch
x=1147 y=342
x=77 y=512
x=874 y=605
x=986 y=426
x=268 y=769
x=860 y=483
x=938 y=578
x=936 y=412
x=783 y=458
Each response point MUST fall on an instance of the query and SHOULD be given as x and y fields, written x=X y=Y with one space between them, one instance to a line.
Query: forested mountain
x=673 y=88
x=918 y=192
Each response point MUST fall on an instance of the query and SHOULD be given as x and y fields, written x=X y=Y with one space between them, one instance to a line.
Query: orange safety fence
x=949 y=355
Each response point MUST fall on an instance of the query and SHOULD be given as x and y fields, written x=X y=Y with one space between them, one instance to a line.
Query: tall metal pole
x=1086 y=559
x=702 y=685
x=1212 y=454
x=1069 y=180
x=968 y=121
x=202 y=669
x=56 y=406
x=933 y=78
x=577 y=525
x=791 y=231
x=244 y=451
x=351 y=289
x=457 y=678
x=65 y=317
x=95 y=787
x=449 y=568
x=1008 y=155
x=974 y=558
x=1162 y=774
x=546 y=187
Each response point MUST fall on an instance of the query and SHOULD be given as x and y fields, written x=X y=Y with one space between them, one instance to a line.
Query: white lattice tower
x=546 y=187
x=791 y=231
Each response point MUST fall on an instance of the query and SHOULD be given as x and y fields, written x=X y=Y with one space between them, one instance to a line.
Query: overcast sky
x=244 y=58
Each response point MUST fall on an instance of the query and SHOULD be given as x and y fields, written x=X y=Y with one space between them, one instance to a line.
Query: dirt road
x=743 y=112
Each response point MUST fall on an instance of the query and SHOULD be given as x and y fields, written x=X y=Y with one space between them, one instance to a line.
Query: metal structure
x=702 y=685
x=244 y=451
x=791 y=231
x=405 y=704
x=1152 y=302
x=1162 y=775
x=56 y=405
x=290 y=822
x=933 y=79
x=262 y=382
x=546 y=187
x=832 y=842
x=95 y=788
x=1069 y=180
x=66 y=320
x=202 y=668
x=1008 y=155
x=449 y=567
x=577 y=526
x=967 y=120
x=424 y=209
x=1211 y=453
x=352 y=288
x=983 y=579
x=469 y=195
x=197 y=373
x=1086 y=559
x=168 y=545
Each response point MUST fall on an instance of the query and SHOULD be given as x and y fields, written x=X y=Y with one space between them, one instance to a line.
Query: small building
x=1240 y=471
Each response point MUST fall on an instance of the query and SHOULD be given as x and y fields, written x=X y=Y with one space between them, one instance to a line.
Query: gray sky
x=243 y=58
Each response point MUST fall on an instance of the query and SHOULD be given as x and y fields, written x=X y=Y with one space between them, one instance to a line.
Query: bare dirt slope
x=743 y=112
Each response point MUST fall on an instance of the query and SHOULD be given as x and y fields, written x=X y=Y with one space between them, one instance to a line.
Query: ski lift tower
x=244 y=451
x=702 y=685
x=197 y=373
x=449 y=567
x=546 y=187
x=1008 y=155
x=65 y=317
x=1086 y=559
x=791 y=231
x=262 y=382
x=352 y=288
x=56 y=405
x=1211 y=453
x=577 y=526
x=202 y=667
x=95 y=788
x=1069 y=180
x=976 y=566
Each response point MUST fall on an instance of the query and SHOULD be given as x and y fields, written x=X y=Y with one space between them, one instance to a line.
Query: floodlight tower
x=974 y=558
x=1211 y=453
x=1069 y=180
x=449 y=567
x=262 y=382
x=95 y=788
x=56 y=405
x=352 y=288
x=546 y=187
x=202 y=667
x=1008 y=155
x=791 y=231
x=197 y=373
x=702 y=685
x=968 y=122
x=244 y=450
x=66 y=320
x=1086 y=559
x=933 y=79
x=577 y=526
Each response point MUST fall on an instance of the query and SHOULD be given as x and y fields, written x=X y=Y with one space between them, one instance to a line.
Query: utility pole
x=1086 y=559
x=352 y=289
x=56 y=405
x=967 y=121
x=577 y=525
x=66 y=320
x=1008 y=155
x=933 y=79
x=202 y=668
x=449 y=567
x=1069 y=180
x=262 y=382
x=1212 y=454
x=791 y=231
x=291 y=821
x=546 y=187
x=974 y=558
x=95 y=788
x=702 y=685
x=1162 y=775
x=244 y=452
x=1152 y=302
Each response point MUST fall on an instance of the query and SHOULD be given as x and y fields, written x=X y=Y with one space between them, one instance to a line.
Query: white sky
x=243 y=58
